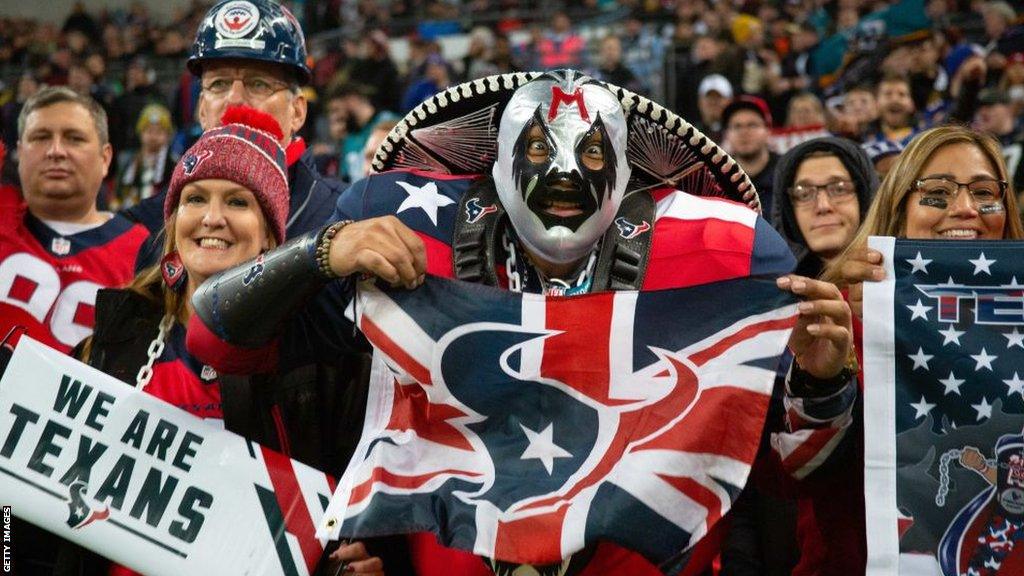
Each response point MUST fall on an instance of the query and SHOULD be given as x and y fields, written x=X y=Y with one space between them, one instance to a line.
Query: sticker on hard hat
x=236 y=19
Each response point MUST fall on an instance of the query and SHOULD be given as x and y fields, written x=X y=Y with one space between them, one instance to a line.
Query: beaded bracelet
x=323 y=249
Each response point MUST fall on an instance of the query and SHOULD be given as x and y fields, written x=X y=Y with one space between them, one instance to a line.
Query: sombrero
x=455 y=132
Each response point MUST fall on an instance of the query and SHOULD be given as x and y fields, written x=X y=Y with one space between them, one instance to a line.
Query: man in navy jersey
x=56 y=248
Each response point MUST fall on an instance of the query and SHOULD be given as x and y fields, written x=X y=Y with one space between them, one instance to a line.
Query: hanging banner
x=144 y=483
x=944 y=409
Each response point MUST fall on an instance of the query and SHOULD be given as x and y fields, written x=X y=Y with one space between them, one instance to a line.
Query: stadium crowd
x=876 y=72
x=816 y=100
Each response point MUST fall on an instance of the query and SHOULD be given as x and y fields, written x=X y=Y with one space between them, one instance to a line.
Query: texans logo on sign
x=628 y=230
x=236 y=19
x=474 y=211
x=190 y=163
x=80 y=513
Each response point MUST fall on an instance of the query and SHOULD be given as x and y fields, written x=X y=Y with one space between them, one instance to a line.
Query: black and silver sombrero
x=456 y=132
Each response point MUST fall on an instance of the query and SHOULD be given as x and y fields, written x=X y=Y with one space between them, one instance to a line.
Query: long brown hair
x=888 y=213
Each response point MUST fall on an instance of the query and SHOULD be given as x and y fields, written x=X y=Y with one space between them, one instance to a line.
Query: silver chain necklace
x=156 y=348
x=552 y=286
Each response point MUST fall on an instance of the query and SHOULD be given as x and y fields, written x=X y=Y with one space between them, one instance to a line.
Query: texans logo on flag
x=80 y=513
x=474 y=211
x=236 y=19
x=543 y=424
x=190 y=163
x=628 y=230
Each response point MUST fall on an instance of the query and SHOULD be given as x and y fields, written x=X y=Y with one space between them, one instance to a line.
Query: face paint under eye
x=994 y=208
x=940 y=203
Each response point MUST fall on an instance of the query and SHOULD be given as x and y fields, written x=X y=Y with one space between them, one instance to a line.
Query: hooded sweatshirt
x=830 y=511
x=783 y=218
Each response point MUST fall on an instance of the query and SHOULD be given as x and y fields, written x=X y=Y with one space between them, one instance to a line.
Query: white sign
x=144 y=483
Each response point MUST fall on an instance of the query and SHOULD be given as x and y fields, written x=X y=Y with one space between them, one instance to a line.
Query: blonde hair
x=887 y=215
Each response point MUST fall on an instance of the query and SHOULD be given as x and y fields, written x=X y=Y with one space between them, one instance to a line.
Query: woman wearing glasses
x=823 y=188
x=949 y=183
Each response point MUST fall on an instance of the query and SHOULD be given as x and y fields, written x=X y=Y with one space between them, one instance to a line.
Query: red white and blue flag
x=524 y=427
x=944 y=409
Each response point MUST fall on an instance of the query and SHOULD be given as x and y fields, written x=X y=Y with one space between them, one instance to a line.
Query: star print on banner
x=919 y=264
x=542 y=447
x=952 y=336
x=952 y=384
x=984 y=360
x=919 y=310
x=921 y=359
x=1014 y=386
x=426 y=198
x=981 y=264
x=959 y=326
x=922 y=408
x=1014 y=338
x=983 y=408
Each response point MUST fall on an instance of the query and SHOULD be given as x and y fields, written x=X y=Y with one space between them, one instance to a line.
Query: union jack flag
x=524 y=427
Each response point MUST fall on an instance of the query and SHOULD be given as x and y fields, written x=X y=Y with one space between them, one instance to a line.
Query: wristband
x=323 y=249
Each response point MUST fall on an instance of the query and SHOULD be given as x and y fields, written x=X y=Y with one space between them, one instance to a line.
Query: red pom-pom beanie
x=245 y=149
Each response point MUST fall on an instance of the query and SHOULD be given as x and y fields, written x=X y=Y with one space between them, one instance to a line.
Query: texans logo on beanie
x=246 y=150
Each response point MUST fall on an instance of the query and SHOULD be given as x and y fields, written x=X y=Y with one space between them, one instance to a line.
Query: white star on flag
x=919 y=310
x=922 y=408
x=542 y=447
x=425 y=197
x=951 y=335
x=984 y=360
x=1014 y=338
x=920 y=359
x=982 y=264
x=952 y=384
x=1014 y=386
x=919 y=264
x=984 y=409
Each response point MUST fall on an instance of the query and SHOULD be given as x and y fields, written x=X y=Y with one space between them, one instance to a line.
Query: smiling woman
x=226 y=203
x=950 y=182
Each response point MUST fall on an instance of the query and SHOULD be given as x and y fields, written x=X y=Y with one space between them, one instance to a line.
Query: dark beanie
x=783 y=217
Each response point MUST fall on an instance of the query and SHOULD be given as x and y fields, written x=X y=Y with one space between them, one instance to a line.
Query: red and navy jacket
x=48 y=282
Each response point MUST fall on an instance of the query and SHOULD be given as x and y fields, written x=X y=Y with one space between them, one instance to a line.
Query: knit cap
x=245 y=149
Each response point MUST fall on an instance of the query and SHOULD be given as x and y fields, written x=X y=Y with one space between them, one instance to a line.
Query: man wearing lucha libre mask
x=550 y=183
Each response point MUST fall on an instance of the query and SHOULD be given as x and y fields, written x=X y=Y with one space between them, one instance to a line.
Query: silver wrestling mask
x=561 y=168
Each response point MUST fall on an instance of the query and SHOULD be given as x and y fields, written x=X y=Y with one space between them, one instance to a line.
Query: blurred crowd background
x=875 y=71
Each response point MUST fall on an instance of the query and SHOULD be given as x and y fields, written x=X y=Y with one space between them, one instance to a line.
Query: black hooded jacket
x=783 y=218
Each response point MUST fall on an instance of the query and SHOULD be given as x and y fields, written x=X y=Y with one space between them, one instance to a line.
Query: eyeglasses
x=983 y=191
x=838 y=191
x=257 y=87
